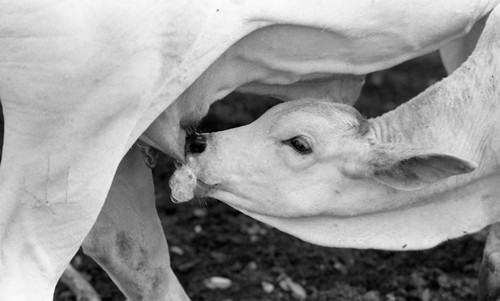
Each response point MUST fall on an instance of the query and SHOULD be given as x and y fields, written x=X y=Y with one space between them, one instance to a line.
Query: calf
x=417 y=176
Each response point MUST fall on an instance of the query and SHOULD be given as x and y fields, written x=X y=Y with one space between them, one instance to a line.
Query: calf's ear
x=406 y=171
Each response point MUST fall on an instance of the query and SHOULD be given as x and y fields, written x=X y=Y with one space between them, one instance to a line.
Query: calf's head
x=310 y=158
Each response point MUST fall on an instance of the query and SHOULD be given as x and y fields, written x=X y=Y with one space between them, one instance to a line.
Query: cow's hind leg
x=51 y=191
x=128 y=241
x=489 y=274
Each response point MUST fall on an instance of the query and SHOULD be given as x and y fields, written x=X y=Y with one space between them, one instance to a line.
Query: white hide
x=81 y=80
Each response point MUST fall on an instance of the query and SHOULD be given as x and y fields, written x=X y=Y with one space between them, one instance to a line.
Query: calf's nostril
x=196 y=143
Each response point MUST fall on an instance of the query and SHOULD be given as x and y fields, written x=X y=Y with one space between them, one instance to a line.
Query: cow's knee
x=139 y=271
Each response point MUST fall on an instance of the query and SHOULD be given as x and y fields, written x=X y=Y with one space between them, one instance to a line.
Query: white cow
x=82 y=80
x=415 y=177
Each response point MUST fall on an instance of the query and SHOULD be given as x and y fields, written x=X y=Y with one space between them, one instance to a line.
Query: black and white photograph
x=237 y=150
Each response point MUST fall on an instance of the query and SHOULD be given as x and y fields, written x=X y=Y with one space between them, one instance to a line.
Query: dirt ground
x=207 y=238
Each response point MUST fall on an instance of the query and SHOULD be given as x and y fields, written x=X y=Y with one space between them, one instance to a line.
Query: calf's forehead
x=339 y=117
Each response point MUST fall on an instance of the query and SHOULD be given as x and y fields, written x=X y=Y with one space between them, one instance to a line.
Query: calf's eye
x=299 y=144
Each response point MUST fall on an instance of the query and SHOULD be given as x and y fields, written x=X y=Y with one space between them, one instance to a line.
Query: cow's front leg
x=128 y=241
x=489 y=274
